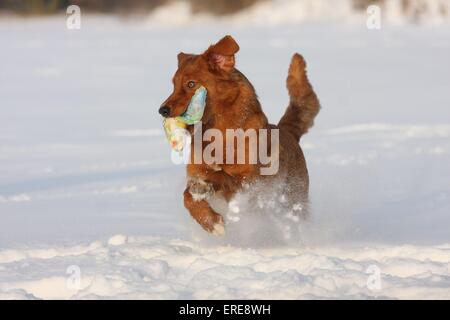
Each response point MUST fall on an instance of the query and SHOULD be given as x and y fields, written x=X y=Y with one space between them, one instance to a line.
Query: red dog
x=232 y=103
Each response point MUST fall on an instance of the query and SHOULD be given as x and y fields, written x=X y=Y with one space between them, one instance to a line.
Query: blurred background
x=415 y=11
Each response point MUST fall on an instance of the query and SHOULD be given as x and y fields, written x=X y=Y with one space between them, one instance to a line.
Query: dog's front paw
x=195 y=199
x=200 y=190
x=219 y=228
x=214 y=224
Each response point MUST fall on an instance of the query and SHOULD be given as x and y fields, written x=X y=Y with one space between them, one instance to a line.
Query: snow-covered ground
x=87 y=186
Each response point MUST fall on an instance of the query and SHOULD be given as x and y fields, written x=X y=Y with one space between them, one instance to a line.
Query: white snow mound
x=157 y=268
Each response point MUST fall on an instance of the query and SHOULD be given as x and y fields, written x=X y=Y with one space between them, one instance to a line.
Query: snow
x=155 y=268
x=91 y=205
x=117 y=240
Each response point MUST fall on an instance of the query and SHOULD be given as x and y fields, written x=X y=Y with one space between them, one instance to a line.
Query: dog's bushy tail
x=304 y=105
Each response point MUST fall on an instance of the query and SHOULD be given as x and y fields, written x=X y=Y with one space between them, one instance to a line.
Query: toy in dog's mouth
x=193 y=114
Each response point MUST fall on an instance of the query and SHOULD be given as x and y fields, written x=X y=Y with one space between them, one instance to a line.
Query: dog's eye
x=191 y=84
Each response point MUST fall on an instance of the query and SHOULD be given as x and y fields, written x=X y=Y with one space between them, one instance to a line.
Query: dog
x=232 y=103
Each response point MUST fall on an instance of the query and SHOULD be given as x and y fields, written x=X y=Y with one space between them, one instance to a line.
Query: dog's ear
x=221 y=54
x=182 y=57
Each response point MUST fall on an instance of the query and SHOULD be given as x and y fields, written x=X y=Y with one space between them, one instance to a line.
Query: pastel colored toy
x=193 y=114
x=174 y=133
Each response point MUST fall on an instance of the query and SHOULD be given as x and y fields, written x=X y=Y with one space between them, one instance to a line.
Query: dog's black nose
x=164 y=111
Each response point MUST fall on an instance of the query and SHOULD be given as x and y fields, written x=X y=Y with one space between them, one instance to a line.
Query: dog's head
x=212 y=69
